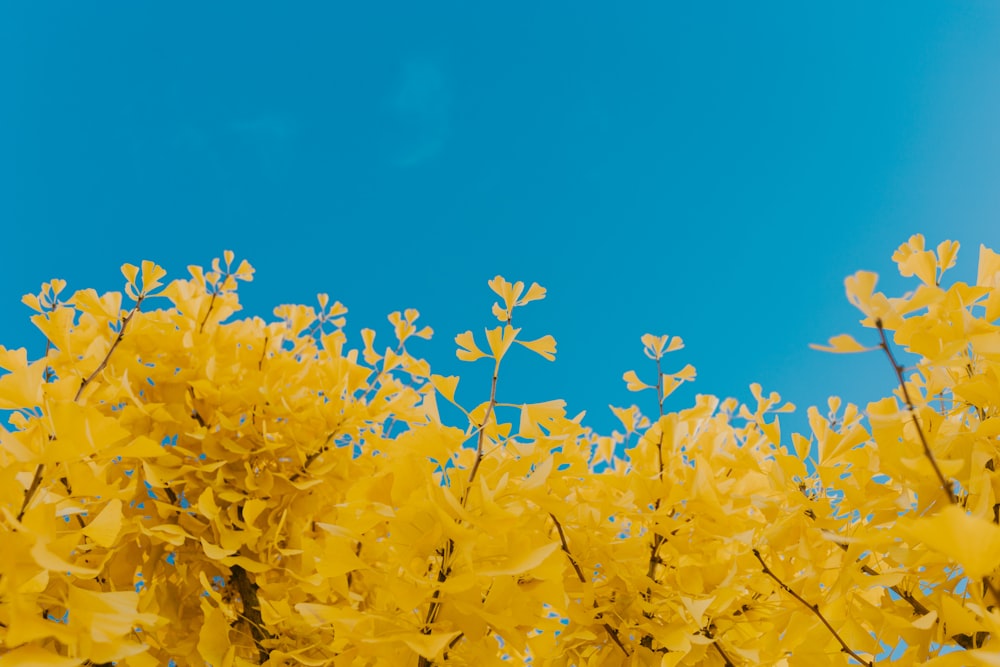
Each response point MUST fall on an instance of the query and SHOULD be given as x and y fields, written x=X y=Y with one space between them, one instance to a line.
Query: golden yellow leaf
x=520 y=563
x=213 y=639
x=545 y=346
x=429 y=646
x=131 y=273
x=446 y=386
x=632 y=382
x=50 y=561
x=468 y=351
x=22 y=387
x=842 y=343
x=627 y=417
x=104 y=527
x=36 y=656
x=500 y=340
x=948 y=533
x=215 y=552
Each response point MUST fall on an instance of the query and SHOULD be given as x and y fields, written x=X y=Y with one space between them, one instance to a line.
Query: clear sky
x=705 y=169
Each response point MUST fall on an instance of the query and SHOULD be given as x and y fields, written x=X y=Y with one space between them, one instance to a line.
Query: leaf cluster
x=177 y=484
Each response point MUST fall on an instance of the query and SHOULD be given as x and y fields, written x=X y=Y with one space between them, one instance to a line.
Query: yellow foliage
x=177 y=484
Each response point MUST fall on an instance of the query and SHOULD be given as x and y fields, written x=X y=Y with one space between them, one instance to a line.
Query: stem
x=36 y=481
x=482 y=435
x=945 y=485
x=612 y=632
x=444 y=569
x=251 y=610
x=658 y=539
x=725 y=658
x=813 y=608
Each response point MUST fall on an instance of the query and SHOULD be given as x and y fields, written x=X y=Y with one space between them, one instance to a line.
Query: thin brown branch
x=658 y=539
x=444 y=567
x=36 y=481
x=211 y=304
x=114 y=345
x=725 y=658
x=945 y=485
x=814 y=608
x=612 y=632
x=482 y=435
x=251 y=610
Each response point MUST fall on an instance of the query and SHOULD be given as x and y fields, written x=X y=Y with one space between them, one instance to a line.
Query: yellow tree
x=181 y=485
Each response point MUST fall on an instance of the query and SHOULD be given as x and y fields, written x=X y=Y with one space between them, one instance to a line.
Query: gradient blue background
x=711 y=170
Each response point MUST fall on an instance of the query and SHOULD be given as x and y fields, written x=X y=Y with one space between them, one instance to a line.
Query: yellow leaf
x=535 y=293
x=446 y=386
x=215 y=552
x=771 y=431
x=500 y=339
x=50 y=561
x=519 y=564
x=500 y=312
x=989 y=268
x=912 y=259
x=533 y=414
x=370 y=355
x=131 y=273
x=22 y=387
x=151 y=274
x=843 y=343
x=104 y=527
x=632 y=382
x=468 y=351
x=429 y=646
x=206 y=504
x=213 y=638
x=545 y=346
x=948 y=533
x=947 y=252
x=627 y=417
x=926 y=622
x=36 y=656
x=506 y=291
x=31 y=301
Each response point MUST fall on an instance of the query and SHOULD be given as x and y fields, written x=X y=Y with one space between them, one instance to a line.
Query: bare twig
x=612 y=632
x=945 y=484
x=814 y=608
x=251 y=610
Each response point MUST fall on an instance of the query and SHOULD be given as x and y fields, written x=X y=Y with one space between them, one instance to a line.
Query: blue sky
x=709 y=170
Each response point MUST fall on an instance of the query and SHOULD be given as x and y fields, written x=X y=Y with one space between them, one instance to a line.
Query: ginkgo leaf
x=500 y=339
x=947 y=533
x=535 y=293
x=429 y=646
x=105 y=527
x=131 y=273
x=35 y=656
x=627 y=417
x=913 y=259
x=213 y=639
x=545 y=346
x=151 y=275
x=533 y=414
x=843 y=343
x=468 y=351
x=520 y=563
x=445 y=386
x=50 y=561
x=632 y=382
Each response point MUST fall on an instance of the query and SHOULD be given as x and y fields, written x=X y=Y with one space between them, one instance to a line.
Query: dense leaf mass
x=180 y=485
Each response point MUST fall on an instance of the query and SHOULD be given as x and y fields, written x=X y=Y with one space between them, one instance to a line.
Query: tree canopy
x=180 y=485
